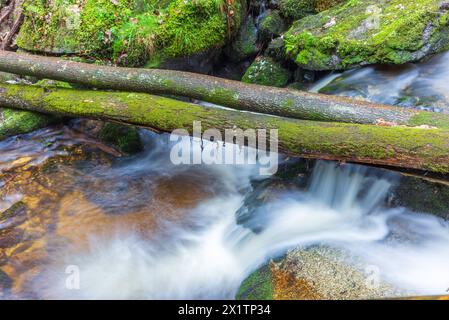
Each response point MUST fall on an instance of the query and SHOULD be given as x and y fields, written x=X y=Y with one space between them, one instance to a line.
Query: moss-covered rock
x=322 y=5
x=298 y=9
x=362 y=32
x=313 y=273
x=13 y=122
x=245 y=43
x=271 y=26
x=258 y=286
x=125 y=138
x=129 y=31
x=421 y=195
x=266 y=71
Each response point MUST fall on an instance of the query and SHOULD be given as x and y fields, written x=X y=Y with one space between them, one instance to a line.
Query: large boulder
x=129 y=32
x=369 y=31
x=313 y=273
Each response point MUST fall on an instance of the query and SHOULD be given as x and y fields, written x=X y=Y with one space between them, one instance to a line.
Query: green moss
x=125 y=138
x=367 y=32
x=421 y=195
x=128 y=31
x=266 y=71
x=272 y=25
x=50 y=26
x=258 y=286
x=298 y=9
x=245 y=43
x=46 y=83
x=427 y=149
x=192 y=27
x=430 y=119
x=68 y=26
x=13 y=122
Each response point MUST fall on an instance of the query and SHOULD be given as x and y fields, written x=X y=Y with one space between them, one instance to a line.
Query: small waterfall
x=208 y=255
x=261 y=14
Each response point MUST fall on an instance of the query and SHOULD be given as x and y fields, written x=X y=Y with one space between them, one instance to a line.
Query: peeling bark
x=233 y=94
x=399 y=147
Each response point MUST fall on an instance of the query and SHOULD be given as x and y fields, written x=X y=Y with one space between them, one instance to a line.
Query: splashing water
x=424 y=86
x=207 y=254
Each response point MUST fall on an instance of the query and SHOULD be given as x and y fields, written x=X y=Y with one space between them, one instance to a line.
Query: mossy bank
x=129 y=32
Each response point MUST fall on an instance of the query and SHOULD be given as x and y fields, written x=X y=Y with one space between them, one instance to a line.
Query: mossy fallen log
x=233 y=94
x=395 y=146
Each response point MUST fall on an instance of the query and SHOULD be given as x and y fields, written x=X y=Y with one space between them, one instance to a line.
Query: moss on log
x=233 y=94
x=396 y=146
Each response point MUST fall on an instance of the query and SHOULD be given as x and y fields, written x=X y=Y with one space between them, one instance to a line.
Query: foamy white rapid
x=208 y=254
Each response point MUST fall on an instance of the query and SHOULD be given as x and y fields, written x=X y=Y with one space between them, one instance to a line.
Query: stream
x=138 y=227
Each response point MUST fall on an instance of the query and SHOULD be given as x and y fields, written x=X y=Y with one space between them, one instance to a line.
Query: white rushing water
x=208 y=254
x=424 y=85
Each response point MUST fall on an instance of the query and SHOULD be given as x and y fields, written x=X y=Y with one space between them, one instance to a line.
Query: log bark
x=400 y=147
x=233 y=94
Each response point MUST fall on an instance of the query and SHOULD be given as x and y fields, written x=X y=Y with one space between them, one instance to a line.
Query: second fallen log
x=400 y=147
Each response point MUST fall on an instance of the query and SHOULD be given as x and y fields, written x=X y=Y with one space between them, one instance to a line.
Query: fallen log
x=397 y=146
x=233 y=94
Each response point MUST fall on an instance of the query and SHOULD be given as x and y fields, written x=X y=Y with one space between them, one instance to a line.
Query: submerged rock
x=324 y=273
x=367 y=32
x=266 y=71
x=420 y=195
x=125 y=138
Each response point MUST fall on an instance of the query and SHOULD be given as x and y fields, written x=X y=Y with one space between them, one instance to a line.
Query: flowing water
x=423 y=86
x=140 y=227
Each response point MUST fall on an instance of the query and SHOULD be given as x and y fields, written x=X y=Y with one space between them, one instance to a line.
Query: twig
x=7 y=12
x=15 y=28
